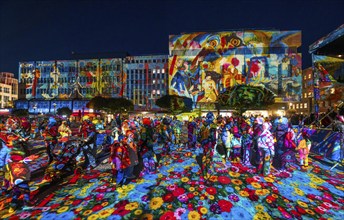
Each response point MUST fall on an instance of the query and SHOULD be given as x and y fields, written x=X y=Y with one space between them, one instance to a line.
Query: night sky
x=34 y=30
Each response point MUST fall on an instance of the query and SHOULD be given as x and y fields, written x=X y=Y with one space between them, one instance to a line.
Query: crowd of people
x=137 y=144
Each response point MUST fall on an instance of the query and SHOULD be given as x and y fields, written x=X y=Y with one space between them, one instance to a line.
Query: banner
x=327 y=143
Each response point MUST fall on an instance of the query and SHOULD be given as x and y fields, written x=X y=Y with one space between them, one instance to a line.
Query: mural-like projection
x=203 y=65
x=328 y=78
x=67 y=79
x=113 y=81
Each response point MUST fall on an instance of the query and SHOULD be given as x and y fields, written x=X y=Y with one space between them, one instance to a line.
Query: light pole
x=54 y=104
x=34 y=108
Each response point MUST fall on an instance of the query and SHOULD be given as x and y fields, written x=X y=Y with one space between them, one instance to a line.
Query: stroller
x=64 y=161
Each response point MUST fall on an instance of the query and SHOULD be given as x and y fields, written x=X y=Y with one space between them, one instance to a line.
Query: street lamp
x=34 y=108
x=54 y=104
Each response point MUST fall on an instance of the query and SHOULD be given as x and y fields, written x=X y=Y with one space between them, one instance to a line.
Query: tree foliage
x=110 y=104
x=64 y=111
x=245 y=97
x=175 y=104
x=20 y=112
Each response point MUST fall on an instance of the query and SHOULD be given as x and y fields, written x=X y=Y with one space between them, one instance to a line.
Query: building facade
x=202 y=64
x=147 y=80
x=306 y=104
x=8 y=89
x=49 y=85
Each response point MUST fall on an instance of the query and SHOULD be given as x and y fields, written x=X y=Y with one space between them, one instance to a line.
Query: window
x=153 y=81
x=309 y=76
x=154 y=71
x=162 y=70
x=297 y=106
x=305 y=95
x=305 y=105
x=158 y=70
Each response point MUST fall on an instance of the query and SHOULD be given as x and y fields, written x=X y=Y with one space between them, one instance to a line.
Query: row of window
x=143 y=82
x=5 y=98
x=5 y=90
x=132 y=71
x=70 y=90
x=147 y=61
x=308 y=95
x=71 y=69
x=308 y=75
x=305 y=105
x=299 y=105
x=82 y=79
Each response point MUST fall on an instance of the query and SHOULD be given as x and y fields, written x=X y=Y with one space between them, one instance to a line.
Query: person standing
x=280 y=127
x=266 y=150
x=89 y=147
x=64 y=132
x=134 y=160
x=120 y=160
x=303 y=148
x=50 y=134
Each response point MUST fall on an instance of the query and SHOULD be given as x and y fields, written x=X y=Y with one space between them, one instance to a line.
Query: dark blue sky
x=51 y=29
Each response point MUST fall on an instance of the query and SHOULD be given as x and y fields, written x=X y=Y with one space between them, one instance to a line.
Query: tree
x=110 y=104
x=245 y=97
x=120 y=104
x=97 y=103
x=20 y=112
x=64 y=111
x=175 y=104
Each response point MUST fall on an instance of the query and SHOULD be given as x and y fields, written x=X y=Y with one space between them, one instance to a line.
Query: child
x=236 y=145
x=149 y=161
x=304 y=148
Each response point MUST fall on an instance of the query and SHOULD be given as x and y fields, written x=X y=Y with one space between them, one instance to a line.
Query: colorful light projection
x=203 y=65
x=328 y=78
x=66 y=79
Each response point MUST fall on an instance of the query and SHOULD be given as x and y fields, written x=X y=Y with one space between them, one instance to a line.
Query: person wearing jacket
x=134 y=160
x=119 y=160
x=89 y=147
x=266 y=150
x=303 y=148
x=50 y=134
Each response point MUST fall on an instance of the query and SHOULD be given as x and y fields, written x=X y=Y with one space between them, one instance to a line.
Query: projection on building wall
x=328 y=78
x=70 y=79
x=202 y=65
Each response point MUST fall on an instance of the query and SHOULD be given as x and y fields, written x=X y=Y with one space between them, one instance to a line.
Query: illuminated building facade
x=204 y=64
x=147 y=79
x=8 y=89
x=46 y=86
x=306 y=105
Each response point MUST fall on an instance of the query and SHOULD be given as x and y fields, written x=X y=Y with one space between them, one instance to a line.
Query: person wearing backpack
x=119 y=160
x=303 y=148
